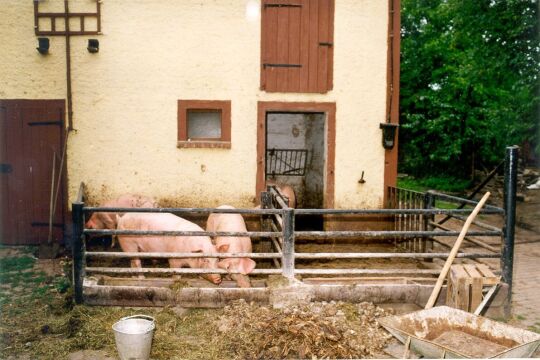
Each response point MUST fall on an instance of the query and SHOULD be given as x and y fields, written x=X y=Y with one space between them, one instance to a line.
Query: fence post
x=287 y=261
x=429 y=203
x=78 y=251
x=507 y=255
x=266 y=203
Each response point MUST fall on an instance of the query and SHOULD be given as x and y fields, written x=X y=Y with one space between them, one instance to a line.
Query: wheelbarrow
x=445 y=332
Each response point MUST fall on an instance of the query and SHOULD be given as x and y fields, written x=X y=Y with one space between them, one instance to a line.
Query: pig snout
x=213 y=278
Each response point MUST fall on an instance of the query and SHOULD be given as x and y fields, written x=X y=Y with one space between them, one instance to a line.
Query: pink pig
x=106 y=220
x=167 y=222
x=231 y=244
x=285 y=190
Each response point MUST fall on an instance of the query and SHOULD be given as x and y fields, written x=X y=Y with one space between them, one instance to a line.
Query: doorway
x=296 y=147
x=295 y=154
x=31 y=133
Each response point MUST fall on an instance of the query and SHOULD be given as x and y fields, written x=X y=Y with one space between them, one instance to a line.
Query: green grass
x=439 y=183
x=535 y=327
x=25 y=282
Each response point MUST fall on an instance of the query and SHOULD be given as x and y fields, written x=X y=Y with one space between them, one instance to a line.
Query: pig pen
x=394 y=266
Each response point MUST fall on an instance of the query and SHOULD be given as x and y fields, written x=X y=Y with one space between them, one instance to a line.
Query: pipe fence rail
x=414 y=229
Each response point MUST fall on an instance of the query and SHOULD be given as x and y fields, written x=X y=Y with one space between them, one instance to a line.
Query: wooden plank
x=490 y=278
x=6 y=225
x=476 y=293
x=282 y=46
x=17 y=178
x=462 y=294
x=270 y=51
x=330 y=53
x=304 y=47
x=457 y=278
x=476 y=286
x=322 y=68
x=293 y=74
x=450 y=301
x=264 y=36
x=471 y=271
x=313 y=45
x=485 y=271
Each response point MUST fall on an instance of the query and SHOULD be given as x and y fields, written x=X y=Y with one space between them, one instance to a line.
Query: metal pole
x=429 y=203
x=510 y=185
x=266 y=203
x=287 y=262
x=78 y=251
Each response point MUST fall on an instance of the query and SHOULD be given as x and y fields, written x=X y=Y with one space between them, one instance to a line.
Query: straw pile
x=315 y=330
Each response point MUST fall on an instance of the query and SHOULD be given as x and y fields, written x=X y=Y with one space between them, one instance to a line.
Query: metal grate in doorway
x=291 y=162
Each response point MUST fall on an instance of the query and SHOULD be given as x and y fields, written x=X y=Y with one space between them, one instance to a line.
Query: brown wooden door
x=297 y=45
x=31 y=131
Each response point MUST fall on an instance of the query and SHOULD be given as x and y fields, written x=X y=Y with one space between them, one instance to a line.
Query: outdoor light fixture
x=93 y=46
x=389 y=134
x=43 y=45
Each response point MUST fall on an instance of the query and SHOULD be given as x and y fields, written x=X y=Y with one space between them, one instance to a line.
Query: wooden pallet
x=465 y=285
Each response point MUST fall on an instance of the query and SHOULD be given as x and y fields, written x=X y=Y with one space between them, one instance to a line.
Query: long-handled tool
x=60 y=172
x=50 y=249
x=449 y=261
x=454 y=251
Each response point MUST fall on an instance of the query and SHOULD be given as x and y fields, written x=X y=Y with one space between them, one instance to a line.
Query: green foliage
x=469 y=82
x=439 y=183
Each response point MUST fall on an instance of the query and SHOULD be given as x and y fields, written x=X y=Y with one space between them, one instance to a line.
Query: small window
x=204 y=124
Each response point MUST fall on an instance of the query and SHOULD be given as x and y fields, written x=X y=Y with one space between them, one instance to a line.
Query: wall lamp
x=93 y=46
x=389 y=135
x=43 y=45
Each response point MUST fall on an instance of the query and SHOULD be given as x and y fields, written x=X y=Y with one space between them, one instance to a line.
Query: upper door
x=31 y=133
x=297 y=40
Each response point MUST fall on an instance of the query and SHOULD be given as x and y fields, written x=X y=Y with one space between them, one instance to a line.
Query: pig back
x=163 y=222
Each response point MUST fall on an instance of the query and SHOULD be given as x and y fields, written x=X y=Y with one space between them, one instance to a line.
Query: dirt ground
x=38 y=319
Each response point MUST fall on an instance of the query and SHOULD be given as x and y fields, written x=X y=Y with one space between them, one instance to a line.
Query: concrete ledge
x=155 y=292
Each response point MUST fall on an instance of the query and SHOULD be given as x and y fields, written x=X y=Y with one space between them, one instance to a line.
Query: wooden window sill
x=200 y=144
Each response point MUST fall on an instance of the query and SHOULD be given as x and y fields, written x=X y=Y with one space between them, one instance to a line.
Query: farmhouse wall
x=155 y=52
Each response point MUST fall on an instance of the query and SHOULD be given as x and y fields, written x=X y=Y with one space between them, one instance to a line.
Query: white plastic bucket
x=133 y=335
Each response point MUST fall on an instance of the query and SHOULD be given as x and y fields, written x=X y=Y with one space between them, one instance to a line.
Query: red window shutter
x=297 y=45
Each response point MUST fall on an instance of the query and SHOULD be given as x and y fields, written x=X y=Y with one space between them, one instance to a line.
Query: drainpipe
x=68 y=69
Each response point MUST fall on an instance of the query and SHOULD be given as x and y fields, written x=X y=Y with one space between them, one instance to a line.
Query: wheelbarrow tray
x=445 y=332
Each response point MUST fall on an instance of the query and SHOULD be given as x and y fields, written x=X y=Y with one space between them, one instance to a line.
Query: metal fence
x=413 y=215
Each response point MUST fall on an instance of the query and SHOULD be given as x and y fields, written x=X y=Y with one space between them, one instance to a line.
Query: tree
x=469 y=78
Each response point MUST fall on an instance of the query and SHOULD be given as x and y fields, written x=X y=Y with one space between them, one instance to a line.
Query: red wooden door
x=297 y=45
x=31 y=131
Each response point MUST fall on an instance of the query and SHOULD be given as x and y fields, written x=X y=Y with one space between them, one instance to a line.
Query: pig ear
x=223 y=248
x=246 y=266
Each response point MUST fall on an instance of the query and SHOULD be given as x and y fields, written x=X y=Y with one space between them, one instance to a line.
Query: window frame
x=222 y=106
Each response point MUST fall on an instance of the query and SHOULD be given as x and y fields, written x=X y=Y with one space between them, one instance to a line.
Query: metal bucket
x=133 y=335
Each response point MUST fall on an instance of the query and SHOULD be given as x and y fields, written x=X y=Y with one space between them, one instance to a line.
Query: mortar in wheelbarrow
x=445 y=332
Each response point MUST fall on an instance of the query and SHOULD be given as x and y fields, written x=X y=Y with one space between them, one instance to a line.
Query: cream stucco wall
x=154 y=52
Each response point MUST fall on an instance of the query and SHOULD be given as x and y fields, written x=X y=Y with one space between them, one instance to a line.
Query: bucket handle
x=145 y=317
